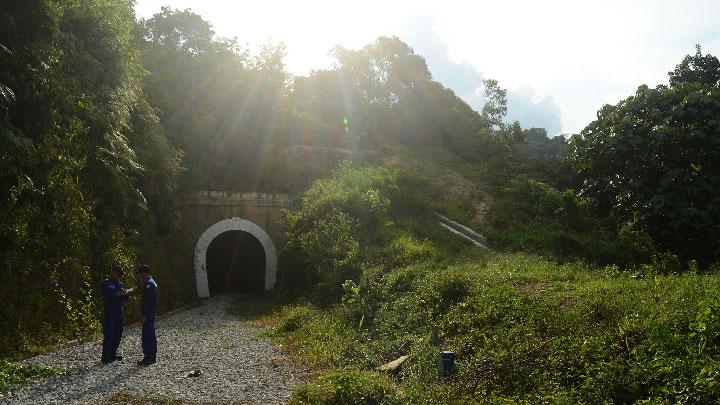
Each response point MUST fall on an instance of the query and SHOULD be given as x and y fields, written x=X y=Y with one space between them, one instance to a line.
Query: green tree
x=328 y=235
x=74 y=192
x=655 y=157
x=399 y=103
x=495 y=108
x=223 y=107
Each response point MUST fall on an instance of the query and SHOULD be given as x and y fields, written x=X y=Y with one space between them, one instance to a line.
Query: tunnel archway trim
x=233 y=224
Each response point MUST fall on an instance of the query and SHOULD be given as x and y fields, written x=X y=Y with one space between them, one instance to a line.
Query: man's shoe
x=119 y=357
x=146 y=362
x=107 y=361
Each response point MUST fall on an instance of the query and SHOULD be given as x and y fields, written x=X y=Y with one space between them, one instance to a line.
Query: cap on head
x=117 y=268
x=143 y=269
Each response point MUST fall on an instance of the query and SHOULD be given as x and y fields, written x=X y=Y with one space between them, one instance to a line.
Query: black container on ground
x=446 y=363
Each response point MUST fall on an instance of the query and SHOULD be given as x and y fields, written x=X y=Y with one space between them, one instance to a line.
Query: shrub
x=294 y=317
x=442 y=289
x=405 y=250
x=533 y=216
x=408 y=195
x=638 y=243
x=525 y=201
x=328 y=233
x=403 y=279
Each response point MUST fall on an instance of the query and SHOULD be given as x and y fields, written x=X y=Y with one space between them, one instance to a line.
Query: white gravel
x=236 y=365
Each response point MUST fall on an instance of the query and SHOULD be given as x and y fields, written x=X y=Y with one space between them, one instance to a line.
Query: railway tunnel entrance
x=235 y=264
x=233 y=256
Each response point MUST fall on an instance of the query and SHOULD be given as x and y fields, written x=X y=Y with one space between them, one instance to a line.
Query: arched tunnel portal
x=232 y=256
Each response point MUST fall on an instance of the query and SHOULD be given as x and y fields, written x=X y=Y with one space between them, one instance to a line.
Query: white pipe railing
x=463 y=231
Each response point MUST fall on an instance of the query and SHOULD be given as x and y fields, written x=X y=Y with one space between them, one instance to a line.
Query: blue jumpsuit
x=113 y=322
x=149 y=311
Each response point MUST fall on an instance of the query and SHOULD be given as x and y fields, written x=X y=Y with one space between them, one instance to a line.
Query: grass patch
x=317 y=338
x=15 y=375
x=347 y=387
x=523 y=328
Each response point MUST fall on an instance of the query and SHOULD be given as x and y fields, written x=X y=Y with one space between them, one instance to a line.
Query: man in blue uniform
x=149 y=310
x=114 y=294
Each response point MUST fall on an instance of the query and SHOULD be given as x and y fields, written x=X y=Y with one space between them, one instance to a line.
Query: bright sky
x=560 y=59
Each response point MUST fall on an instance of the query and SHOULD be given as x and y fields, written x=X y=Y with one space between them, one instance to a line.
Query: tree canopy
x=654 y=158
x=84 y=163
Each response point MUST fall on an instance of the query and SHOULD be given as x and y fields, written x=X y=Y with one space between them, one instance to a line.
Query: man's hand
x=143 y=321
x=122 y=292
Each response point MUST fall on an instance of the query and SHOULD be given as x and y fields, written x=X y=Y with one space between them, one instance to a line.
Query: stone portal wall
x=263 y=209
x=220 y=211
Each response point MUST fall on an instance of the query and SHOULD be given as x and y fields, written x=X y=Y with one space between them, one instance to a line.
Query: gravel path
x=236 y=365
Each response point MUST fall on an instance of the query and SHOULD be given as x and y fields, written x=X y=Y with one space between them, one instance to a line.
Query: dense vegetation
x=654 y=159
x=85 y=166
x=524 y=328
x=600 y=285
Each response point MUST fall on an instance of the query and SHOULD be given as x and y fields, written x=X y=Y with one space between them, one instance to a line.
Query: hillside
x=523 y=327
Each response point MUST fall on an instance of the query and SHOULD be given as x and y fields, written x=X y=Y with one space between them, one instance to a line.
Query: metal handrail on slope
x=462 y=230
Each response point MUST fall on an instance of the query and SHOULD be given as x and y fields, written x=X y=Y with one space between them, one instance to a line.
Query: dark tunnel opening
x=235 y=264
